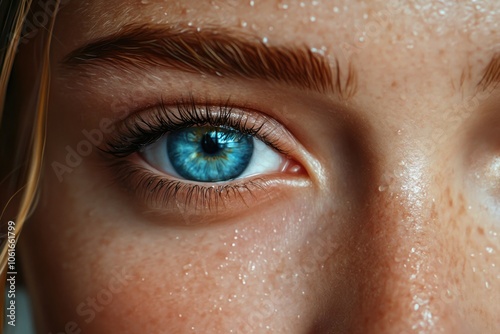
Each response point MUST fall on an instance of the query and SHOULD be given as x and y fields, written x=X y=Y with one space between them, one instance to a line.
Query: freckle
x=394 y=84
x=450 y=202
x=467 y=230
x=461 y=211
x=480 y=230
x=447 y=192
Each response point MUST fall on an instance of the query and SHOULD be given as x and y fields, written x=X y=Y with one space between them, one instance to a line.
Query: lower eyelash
x=162 y=193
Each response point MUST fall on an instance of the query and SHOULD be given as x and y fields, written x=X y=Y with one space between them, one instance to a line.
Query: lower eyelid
x=159 y=196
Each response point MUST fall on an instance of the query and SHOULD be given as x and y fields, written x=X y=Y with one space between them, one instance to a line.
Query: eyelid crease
x=215 y=51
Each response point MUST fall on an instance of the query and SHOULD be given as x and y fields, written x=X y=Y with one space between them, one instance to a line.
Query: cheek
x=99 y=265
x=451 y=254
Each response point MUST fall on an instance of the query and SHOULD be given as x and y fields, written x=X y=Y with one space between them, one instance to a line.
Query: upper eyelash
x=136 y=133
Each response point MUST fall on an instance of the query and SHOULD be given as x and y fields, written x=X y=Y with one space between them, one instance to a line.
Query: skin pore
x=385 y=220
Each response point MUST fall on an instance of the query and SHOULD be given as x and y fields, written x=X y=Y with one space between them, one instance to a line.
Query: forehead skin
x=415 y=252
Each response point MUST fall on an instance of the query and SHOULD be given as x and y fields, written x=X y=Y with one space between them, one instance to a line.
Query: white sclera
x=264 y=159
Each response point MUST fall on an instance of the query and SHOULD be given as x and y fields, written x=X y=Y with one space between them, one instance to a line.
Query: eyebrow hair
x=218 y=52
x=491 y=76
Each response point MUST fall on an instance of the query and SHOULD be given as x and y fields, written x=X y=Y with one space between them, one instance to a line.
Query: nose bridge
x=403 y=252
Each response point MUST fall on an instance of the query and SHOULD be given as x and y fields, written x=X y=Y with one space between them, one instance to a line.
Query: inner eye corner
x=293 y=167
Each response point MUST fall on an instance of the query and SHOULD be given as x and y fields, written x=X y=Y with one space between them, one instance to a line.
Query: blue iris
x=209 y=154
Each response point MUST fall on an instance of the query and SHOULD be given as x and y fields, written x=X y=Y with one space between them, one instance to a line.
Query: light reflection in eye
x=211 y=154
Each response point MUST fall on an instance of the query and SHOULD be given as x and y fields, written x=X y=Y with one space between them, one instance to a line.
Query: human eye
x=212 y=154
x=203 y=156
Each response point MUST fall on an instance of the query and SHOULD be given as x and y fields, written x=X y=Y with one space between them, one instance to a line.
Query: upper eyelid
x=164 y=118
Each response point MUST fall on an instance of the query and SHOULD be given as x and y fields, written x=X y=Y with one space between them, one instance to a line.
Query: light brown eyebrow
x=491 y=75
x=218 y=52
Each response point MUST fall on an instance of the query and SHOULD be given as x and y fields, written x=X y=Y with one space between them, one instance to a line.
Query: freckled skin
x=394 y=234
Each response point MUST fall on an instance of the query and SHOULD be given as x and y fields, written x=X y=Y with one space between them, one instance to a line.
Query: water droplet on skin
x=400 y=132
x=335 y=9
x=312 y=19
x=382 y=188
x=265 y=40
x=447 y=296
x=489 y=250
x=144 y=2
x=252 y=3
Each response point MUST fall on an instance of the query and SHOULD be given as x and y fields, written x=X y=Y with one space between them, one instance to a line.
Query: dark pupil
x=209 y=143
